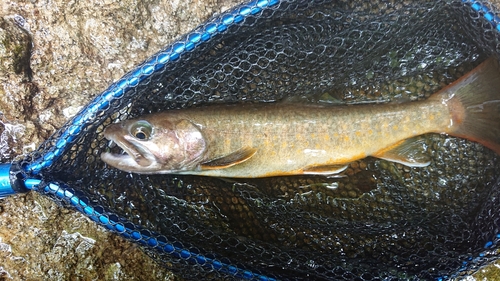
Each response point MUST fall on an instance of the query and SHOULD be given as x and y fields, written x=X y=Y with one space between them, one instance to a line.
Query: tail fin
x=474 y=103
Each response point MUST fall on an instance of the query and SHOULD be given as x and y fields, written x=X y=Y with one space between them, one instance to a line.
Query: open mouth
x=116 y=151
x=123 y=153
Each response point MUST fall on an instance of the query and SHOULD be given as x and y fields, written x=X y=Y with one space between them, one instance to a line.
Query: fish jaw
x=126 y=163
x=120 y=161
x=175 y=146
x=136 y=157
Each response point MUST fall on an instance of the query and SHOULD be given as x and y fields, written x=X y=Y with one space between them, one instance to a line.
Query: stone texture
x=77 y=49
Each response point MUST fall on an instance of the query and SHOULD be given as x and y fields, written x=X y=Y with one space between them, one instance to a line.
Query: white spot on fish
x=314 y=152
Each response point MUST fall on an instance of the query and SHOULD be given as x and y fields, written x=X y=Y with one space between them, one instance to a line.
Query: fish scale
x=288 y=137
x=277 y=139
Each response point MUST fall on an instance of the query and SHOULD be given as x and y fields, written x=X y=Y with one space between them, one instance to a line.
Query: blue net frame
x=32 y=174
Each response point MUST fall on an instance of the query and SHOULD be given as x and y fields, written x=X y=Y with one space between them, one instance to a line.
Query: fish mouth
x=123 y=153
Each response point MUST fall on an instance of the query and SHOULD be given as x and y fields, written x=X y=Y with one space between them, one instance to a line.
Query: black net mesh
x=382 y=220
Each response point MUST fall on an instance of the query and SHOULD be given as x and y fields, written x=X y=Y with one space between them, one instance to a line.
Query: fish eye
x=141 y=130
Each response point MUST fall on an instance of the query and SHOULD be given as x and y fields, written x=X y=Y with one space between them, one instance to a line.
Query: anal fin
x=239 y=156
x=324 y=169
x=410 y=152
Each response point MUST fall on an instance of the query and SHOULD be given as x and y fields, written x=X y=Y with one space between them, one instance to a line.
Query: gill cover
x=188 y=147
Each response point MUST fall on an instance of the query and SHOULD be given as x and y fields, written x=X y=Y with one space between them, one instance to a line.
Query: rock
x=54 y=57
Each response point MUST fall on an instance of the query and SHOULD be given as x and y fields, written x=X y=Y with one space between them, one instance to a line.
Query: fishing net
x=377 y=220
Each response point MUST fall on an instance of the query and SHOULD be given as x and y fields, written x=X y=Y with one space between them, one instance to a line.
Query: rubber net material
x=381 y=220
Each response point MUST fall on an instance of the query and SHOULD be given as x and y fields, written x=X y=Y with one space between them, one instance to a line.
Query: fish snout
x=112 y=130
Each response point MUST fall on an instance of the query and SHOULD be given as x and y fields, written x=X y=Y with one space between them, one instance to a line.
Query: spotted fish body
x=262 y=140
x=293 y=139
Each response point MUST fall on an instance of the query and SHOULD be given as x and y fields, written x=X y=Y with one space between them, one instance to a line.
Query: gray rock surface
x=77 y=49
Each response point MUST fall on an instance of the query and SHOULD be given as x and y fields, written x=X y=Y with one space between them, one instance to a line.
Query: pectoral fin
x=324 y=169
x=410 y=152
x=239 y=156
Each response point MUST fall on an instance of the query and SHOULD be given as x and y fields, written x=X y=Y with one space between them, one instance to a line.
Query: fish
x=282 y=139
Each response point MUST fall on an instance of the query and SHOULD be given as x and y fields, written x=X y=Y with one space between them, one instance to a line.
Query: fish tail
x=474 y=104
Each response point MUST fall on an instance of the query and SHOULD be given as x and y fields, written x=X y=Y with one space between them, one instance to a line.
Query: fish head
x=155 y=145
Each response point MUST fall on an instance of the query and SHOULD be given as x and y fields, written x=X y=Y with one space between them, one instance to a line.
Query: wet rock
x=54 y=57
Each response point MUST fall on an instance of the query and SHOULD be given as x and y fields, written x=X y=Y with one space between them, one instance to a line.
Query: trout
x=278 y=139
